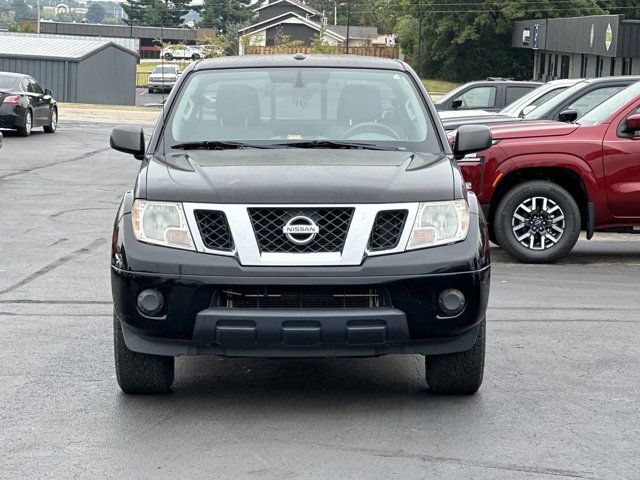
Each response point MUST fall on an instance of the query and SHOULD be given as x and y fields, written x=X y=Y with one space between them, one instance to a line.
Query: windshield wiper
x=216 y=145
x=333 y=144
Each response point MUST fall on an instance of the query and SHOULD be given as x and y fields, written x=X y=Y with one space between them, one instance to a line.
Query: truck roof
x=300 y=60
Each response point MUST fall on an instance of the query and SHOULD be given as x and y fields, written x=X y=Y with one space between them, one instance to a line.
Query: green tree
x=220 y=13
x=464 y=41
x=231 y=34
x=22 y=10
x=95 y=13
x=166 y=13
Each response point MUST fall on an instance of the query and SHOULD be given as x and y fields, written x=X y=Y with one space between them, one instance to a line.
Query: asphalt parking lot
x=560 y=399
x=144 y=98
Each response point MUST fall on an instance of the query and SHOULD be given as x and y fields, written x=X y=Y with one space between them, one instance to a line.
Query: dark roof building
x=581 y=47
x=82 y=71
x=299 y=22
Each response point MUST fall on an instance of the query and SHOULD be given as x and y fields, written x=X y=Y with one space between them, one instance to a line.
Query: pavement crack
x=460 y=461
x=55 y=264
x=53 y=164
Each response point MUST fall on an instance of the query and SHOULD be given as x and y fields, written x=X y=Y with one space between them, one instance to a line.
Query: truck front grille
x=299 y=297
x=332 y=223
x=214 y=230
x=387 y=230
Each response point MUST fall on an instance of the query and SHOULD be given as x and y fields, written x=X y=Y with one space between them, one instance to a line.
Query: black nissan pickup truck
x=299 y=206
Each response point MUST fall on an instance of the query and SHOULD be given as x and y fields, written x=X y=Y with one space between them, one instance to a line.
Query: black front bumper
x=192 y=323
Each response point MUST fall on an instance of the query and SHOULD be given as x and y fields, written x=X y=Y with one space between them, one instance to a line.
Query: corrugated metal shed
x=58 y=48
x=80 y=71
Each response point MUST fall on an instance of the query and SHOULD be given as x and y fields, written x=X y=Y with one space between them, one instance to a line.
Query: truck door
x=621 y=157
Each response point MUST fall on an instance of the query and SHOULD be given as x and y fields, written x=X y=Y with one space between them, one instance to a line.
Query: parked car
x=163 y=77
x=490 y=95
x=261 y=227
x=182 y=52
x=24 y=104
x=568 y=105
x=516 y=109
x=542 y=182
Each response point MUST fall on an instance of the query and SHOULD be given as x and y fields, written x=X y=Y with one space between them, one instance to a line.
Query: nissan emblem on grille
x=301 y=230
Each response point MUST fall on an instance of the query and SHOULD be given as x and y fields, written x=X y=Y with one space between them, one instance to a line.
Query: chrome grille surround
x=356 y=244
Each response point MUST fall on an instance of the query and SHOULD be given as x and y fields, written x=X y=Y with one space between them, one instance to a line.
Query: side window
x=591 y=100
x=24 y=85
x=479 y=97
x=546 y=96
x=514 y=93
x=36 y=88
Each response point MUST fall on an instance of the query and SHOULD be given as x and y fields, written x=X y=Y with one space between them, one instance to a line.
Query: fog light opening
x=150 y=302
x=451 y=302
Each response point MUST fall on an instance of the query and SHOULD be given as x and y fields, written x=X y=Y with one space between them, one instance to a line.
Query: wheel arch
x=564 y=176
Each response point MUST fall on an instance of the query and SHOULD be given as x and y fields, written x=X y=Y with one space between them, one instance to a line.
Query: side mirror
x=128 y=139
x=527 y=110
x=632 y=124
x=48 y=92
x=471 y=139
x=568 y=116
x=456 y=103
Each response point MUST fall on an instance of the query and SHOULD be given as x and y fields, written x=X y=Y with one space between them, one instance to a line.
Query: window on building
x=564 y=66
x=543 y=60
x=584 y=63
x=612 y=69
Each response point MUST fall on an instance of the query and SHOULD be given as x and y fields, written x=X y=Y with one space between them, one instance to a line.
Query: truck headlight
x=161 y=223
x=439 y=223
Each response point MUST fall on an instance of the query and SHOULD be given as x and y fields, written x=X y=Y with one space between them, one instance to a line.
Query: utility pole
x=420 y=18
x=38 y=17
x=348 y=23
x=335 y=13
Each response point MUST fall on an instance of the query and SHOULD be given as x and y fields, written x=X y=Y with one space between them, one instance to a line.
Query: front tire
x=53 y=121
x=140 y=372
x=537 y=222
x=25 y=129
x=457 y=373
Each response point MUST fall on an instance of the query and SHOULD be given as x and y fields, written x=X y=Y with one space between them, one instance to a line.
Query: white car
x=187 y=52
x=163 y=77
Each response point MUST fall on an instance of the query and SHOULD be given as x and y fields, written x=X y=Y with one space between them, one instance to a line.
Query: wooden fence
x=384 y=52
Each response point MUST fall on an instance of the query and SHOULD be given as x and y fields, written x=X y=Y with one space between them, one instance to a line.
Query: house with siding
x=299 y=22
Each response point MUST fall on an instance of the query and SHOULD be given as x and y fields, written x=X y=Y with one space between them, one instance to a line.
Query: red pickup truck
x=540 y=183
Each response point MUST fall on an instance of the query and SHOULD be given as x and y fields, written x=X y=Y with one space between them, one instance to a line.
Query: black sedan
x=24 y=104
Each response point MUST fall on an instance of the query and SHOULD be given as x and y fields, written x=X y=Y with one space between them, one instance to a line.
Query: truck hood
x=294 y=176
x=531 y=129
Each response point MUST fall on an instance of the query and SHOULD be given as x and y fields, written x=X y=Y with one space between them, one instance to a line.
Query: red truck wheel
x=537 y=222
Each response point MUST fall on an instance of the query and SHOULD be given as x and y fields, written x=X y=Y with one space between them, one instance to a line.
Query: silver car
x=163 y=77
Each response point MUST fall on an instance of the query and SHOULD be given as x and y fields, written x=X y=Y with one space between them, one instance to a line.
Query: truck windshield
x=612 y=106
x=304 y=107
